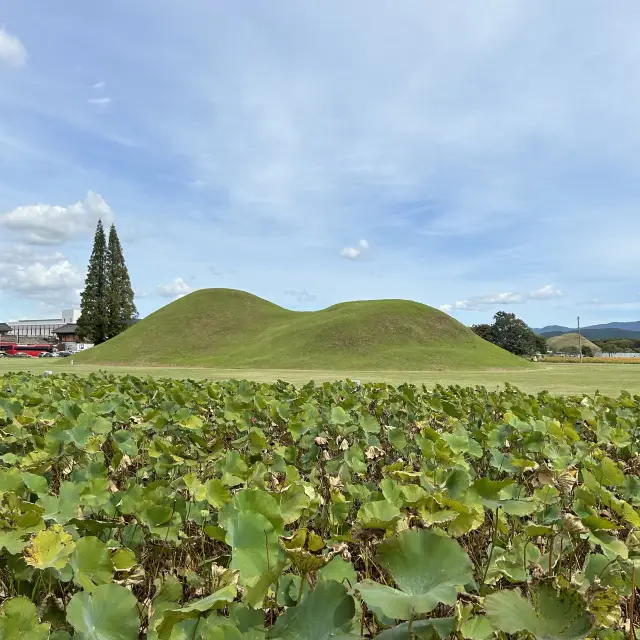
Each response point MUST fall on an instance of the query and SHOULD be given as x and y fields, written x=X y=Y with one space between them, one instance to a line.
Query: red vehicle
x=33 y=350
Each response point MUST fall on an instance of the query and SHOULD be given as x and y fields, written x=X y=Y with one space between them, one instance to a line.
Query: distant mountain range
x=630 y=330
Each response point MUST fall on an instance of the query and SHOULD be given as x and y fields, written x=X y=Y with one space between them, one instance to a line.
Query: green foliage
x=107 y=307
x=166 y=509
x=111 y=611
x=92 y=324
x=427 y=567
x=233 y=329
x=511 y=334
x=120 y=306
x=618 y=345
x=554 y=614
x=19 y=620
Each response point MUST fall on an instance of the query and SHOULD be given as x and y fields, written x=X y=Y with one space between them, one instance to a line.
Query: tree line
x=618 y=345
x=512 y=334
x=107 y=306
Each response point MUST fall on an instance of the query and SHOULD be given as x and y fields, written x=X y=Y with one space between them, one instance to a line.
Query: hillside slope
x=570 y=341
x=233 y=329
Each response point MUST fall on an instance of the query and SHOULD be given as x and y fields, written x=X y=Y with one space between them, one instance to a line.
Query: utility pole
x=579 y=340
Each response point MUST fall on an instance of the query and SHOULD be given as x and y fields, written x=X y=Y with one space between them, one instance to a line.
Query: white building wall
x=43 y=328
x=70 y=316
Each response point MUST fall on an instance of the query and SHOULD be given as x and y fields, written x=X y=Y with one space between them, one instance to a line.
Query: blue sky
x=471 y=156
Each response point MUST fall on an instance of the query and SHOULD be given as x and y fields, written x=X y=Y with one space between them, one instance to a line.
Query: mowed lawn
x=609 y=379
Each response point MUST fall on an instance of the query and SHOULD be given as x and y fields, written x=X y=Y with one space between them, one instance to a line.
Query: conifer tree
x=92 y=324
x=120 y=305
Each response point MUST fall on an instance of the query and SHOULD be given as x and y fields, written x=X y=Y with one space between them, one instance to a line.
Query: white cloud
x=56 y=283
x=48 y=278
x=101 y=103
x=177 y=288
x=545 y=293
x=476 y=303
x=12 y=51
x=99 y=85
x=46 y=224
x=355 y=252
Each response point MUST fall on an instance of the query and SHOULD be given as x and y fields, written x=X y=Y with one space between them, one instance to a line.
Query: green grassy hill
x=567 y=341
x=226 y=328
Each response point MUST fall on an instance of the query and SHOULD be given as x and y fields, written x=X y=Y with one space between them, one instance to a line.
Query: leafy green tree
x=587 y=351
x=485 y=331
x=92 y=324
x=120 y=305
x=510 y=333
x=541 y=344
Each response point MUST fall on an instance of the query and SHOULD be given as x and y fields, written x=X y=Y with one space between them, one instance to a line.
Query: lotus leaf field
x=181 y=510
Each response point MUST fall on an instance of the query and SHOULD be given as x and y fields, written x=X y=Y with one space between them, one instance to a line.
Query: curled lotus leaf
x=50 y=549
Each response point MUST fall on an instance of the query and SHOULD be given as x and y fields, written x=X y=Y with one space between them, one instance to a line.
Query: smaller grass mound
x=570 y=343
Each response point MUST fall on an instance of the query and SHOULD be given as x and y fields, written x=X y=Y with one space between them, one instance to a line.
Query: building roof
x=67 y=329
x=5 y=328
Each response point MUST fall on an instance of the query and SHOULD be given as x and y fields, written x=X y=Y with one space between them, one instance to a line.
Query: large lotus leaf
x=64 y=507
x=50 y=549
x=293 y=500
x=256 y=501
x=110 y=613
x=611 y=546
x=19 y=620
x=427 y=567
x=427 y=629
x=215 y=628
x=217 y=493
x=339 y=416
x=37 y=484
x=91 y=562
x=124 y=559
x=173 y=616
x=13 y=541
x=393 y=603
x=558 y=615
x=477 y=628
x=253 y=542
x=257 y=591
x=488 y=493
x=324 y=613
x=379 y=514
x=339 y=570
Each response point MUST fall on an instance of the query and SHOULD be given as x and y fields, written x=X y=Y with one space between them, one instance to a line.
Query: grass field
x=557 y=378
x=224 y=328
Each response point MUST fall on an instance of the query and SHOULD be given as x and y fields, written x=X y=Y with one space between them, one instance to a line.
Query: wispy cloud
x=477 y=303
x=99 y=85
x=12 y=52
x=103 y=102
x=353 y=253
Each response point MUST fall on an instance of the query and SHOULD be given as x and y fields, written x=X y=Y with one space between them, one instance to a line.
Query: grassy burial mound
x=569 y=343
x=226 y=328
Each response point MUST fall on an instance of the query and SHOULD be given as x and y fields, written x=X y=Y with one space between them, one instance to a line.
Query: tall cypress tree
x=92 y=324
x=120 y=306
